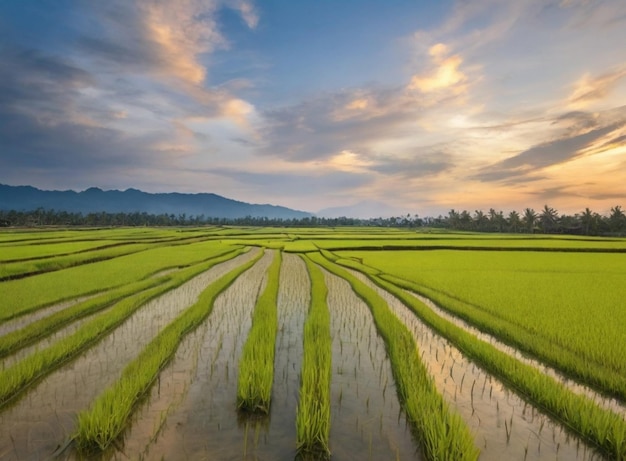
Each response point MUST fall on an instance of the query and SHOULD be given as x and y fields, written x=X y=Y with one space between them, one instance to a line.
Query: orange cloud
x=590 y=89
x=444 y=75
x=180 y=36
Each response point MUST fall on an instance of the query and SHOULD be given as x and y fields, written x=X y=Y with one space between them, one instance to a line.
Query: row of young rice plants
x=190 y=412
x=599 y=427
x=256 y=366
x=105 y=420
x=442 y=433
x=14 y=252
x=16 y=378
x=27 y=295
x=20 y=338
x=313 y=413
x=566 y=310
x=28 y=268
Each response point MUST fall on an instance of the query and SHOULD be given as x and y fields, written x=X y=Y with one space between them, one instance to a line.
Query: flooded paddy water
x=190 y=412
x=367 y=421
x=504 y=425
x=37 y=423
x=608 y=403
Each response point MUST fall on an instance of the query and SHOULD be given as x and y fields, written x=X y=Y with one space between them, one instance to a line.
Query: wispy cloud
x=591 y=89
x=445 y=73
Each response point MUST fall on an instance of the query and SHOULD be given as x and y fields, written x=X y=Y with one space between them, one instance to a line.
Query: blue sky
x=408 y=106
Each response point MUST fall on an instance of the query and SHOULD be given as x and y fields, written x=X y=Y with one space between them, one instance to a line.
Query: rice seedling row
x=99 y=426
x=565 y=312
x=30 y=369
x=504 y=425
x=608 y=403
x=18 y=338
x=313 y=413
x=600 y=428
x=367 y=419
x=256 y=366
x=51 y=406
x=441 y=432
x=21 y=297
x=204 y=421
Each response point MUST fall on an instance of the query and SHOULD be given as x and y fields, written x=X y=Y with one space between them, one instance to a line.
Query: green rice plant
x=20 y=297
x=256 y=365
x=20 y=269
x=443 y=434
x=602 y=428
x=562 y=308
x=313 y=414
x=17 y=378
x=108 y=415
x=18 y=339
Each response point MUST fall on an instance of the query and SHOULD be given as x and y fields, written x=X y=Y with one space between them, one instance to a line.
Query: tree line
x=546 y=220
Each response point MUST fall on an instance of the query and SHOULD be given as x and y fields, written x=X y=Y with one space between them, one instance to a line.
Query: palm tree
x=453 y=219
x=587 y=219
x=514 y=221
x=529 y=219
x=617 y=219
x=480 y=220
x=548 y=218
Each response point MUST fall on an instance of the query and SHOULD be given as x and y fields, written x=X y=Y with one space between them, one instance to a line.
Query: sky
x=396 y=107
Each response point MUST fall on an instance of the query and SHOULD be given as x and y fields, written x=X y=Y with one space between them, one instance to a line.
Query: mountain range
x=94 y=200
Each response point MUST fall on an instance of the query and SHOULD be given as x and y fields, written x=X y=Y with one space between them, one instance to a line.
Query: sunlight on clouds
x=444 y=75
x=347 y=160
x=238 y=110
x=357 y=104
x=591 y=89
x=182 y=30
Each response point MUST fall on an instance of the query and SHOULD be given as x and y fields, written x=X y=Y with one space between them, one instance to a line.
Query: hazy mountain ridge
x=94 y=200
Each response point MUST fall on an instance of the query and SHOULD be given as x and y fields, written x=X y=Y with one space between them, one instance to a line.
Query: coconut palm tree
x=529 y=220
x=587 y=219
x=514 y=221
x=617 y=219
x=549 y=219
x=480 y=220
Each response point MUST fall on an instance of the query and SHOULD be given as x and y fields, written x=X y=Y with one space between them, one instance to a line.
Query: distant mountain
x=93 y=200
x=363 y=210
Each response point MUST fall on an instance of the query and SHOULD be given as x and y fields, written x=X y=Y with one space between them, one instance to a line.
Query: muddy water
x=505 y=427
x=605 y=402
x=20 y=322
x=190 y=413
x=45 y=416
x=366 y=418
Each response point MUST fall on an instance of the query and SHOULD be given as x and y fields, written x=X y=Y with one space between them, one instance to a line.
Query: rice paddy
x=250 y=343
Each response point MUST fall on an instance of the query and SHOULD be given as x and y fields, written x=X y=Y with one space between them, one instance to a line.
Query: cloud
x=420 y=165
x=590 y=89
x=546 y=154
x=444 y=74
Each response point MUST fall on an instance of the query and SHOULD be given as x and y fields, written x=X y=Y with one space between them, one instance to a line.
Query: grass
x=107 y=417
x=256 y=365
x=313 y=413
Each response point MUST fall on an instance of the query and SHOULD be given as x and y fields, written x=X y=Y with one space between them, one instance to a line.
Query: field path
x=45 y=416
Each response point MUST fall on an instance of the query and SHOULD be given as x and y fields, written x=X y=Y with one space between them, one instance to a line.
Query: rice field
x=280 y=343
